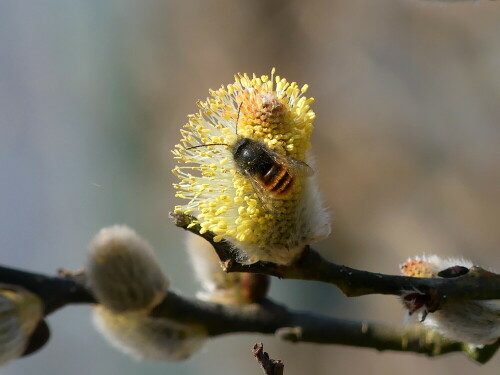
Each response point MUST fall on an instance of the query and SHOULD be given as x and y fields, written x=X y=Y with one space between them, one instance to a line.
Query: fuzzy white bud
x=145 y=337
x=128 y=282
x=217 y=285
x=123 y=271
x=20 y=313
x=472 y=321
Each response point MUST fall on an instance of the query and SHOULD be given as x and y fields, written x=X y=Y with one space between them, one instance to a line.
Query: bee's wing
x=266 y=201
x=294 y=166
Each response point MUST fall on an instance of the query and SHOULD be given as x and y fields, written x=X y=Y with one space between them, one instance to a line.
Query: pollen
x=225 y=200
x=418 y=268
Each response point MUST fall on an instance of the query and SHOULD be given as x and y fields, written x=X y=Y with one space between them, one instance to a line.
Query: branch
x=476 y=284
x=267 y=317
x=55 y=291
x=270 y=366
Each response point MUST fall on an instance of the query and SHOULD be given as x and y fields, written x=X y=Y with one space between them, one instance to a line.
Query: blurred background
x=92 y=97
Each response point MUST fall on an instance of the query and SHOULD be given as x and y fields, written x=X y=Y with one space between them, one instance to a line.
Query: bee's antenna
x=208 y=144
x=220 y=144
x=238 y=117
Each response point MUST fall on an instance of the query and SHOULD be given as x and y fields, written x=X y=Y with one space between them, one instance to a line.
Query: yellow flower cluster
x=224 y=199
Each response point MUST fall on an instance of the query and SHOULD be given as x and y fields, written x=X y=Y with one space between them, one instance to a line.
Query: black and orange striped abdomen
x=277 y=180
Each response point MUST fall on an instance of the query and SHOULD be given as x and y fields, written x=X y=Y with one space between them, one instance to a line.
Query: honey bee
x=271 y=174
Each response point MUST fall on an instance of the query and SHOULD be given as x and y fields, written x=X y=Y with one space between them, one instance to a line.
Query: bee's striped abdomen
x=278 y=180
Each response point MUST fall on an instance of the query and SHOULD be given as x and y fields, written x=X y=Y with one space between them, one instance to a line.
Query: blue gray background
x=407 y=139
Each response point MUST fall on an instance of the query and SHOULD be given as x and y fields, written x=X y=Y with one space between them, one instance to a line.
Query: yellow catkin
x=266 y=109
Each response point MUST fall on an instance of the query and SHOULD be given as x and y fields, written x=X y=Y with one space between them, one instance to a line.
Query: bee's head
x=240 y=146
x=251 y=156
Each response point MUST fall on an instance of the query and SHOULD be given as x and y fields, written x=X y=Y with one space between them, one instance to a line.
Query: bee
x=271 y=174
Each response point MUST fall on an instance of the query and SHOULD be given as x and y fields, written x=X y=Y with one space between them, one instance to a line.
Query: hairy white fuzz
x=128 y=283
x=123 y=271
x=473 y=321
x=217 y=285
x=20 y=313
x=144 y=337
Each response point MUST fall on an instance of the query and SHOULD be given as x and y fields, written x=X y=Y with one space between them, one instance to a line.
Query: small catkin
x=145 y=337
x=472 y=321
x=128 y=283
x=217 y=285
x=20 y=313
x=123 y=271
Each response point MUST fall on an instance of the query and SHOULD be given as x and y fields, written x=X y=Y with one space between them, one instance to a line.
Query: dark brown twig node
x=269 y=366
